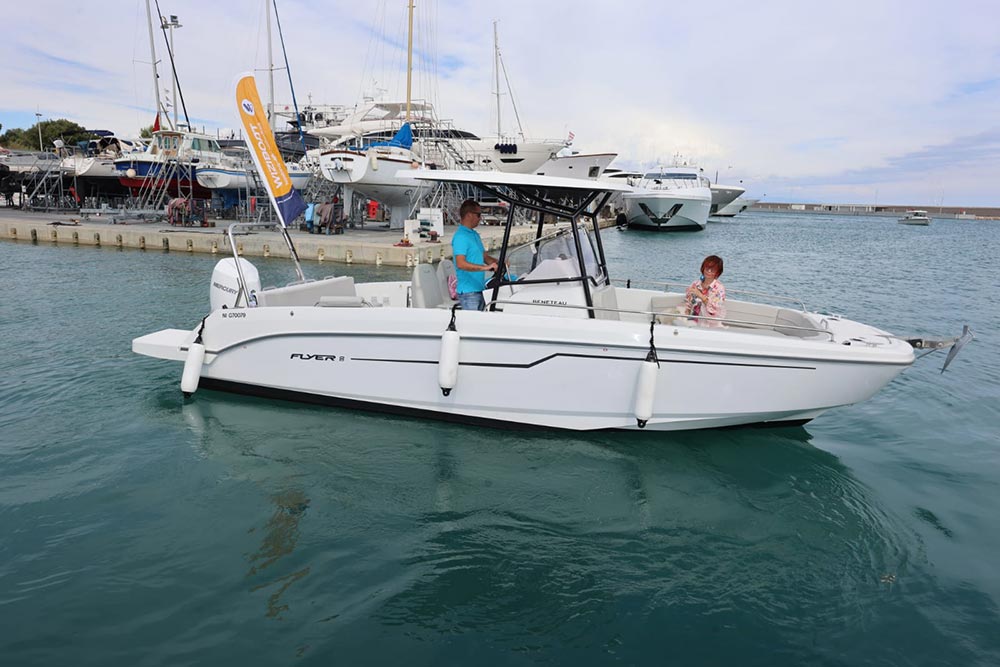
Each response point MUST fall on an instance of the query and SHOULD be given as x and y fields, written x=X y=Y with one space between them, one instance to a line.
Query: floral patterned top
x=715 y=307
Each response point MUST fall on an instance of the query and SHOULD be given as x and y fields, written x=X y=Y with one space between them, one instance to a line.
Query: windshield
x=553 y=257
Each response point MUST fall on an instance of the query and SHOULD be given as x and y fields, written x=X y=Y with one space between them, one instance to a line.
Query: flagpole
x=274 y=175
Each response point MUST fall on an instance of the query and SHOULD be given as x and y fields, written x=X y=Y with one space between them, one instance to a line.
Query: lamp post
x=171 y=23
x=38 y=124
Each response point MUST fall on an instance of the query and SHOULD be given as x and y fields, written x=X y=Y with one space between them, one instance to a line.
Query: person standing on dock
x=471 y=261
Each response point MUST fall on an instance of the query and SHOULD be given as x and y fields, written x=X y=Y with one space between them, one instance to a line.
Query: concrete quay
x=354 y=246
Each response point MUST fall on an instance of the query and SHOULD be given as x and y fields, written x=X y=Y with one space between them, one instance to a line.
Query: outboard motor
x=226 y=284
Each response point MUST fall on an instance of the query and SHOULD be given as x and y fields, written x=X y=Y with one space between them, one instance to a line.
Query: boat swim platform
x=354 y=246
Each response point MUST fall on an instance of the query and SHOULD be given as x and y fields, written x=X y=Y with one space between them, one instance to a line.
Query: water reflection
x=569 y=540
x=279 y=539
x=280 y=533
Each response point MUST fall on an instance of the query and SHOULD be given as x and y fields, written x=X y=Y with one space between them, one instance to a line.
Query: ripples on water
x=142 y=529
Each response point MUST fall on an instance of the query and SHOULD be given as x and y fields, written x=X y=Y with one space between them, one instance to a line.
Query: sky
x=874 y=102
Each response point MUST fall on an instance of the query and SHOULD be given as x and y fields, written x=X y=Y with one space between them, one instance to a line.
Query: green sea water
x=137 y=528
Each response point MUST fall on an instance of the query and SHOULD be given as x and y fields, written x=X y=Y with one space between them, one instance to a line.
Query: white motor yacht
x=723 y=196
x=577 y=165
x=735 y=207
x=559 y=345
x=669 y=199
x=915 y=217
x=438 y=141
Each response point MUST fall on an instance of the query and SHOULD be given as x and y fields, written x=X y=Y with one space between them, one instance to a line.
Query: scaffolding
x=46 y=185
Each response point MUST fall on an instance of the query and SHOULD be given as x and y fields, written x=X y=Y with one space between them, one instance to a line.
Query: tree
x=146 y=132
x=61 y=128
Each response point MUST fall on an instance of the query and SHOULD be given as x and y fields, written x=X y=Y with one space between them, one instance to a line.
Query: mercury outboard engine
x=226 y=284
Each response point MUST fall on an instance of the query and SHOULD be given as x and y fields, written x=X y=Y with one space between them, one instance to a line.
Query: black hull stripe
x=532 y=364
x=352 y=404
x=665 y=228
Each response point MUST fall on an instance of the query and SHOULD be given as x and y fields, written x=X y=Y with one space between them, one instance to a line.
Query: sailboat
x=441 y=142
x=233 y=174
x=370 y=168
x=372 y=171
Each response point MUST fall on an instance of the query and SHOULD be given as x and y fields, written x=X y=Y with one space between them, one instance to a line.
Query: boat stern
x=170 y=344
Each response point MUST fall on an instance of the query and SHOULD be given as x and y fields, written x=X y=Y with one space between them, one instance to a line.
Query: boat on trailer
x=560 y=344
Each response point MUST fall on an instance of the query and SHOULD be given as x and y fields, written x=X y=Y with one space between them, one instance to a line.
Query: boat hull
x=137 y=174
x=512 y=156
x=372 y=175
x=735 y=207
x=577 y=166
x=220 y=178
x=518 y=370
x=724 y=195
x=668 y=211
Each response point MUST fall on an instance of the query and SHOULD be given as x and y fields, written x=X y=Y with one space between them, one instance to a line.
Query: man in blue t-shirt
x=472 y=264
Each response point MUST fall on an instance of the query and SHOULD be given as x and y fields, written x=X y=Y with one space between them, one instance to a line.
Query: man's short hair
x=468 y=206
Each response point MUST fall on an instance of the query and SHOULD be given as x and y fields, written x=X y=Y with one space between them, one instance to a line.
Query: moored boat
x=669 y=199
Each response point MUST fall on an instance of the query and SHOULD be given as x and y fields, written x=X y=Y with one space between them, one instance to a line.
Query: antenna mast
x=270 y=70
x=152 y=56
x=496 y=72
x=409 y=61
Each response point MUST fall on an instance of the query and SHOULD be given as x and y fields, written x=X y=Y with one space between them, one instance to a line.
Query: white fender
x=448 y=361
x=645 y=392
x=373 y=160
x=192 y=368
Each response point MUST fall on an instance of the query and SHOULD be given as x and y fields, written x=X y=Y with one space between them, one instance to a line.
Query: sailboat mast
x=270 y=70
x=496 y=72
x=152 y=56
x=409 y=61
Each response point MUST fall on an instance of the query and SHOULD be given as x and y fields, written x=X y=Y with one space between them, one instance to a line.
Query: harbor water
x=139 y=528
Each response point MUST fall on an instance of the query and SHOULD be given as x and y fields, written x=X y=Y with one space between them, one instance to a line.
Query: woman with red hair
x=707 y=296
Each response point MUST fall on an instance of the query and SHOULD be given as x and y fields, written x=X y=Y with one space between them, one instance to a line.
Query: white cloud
x=800 y=98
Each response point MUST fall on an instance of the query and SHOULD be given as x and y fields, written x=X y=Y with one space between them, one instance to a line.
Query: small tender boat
x=915 y=217
x=239 y=173
x=560 y=344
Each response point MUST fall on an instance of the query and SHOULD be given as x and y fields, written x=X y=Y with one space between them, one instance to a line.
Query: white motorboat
x=577 y=165
x=232 y=173
x=96 y=158
x=723 y=196
x=669 y=199
x=560 y=344
x=735 y=207
x=915 y=217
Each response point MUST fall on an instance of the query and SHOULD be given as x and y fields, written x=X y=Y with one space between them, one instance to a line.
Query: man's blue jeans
x=472 y=301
